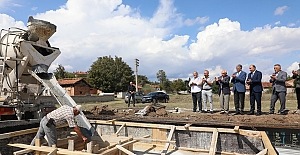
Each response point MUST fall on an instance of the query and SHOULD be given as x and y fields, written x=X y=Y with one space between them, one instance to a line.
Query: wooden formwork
x=117 y=144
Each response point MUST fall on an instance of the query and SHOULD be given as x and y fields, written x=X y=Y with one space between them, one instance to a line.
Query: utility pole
x=136 y=74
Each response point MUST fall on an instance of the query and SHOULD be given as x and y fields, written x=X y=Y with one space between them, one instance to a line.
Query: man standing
x=254 y=80
x=196 y=92
x=239 y=89
x=207 y=91
x=278 y=89
x=223 y=91
x=64 y=114
x=131 y=94
x=296 y=76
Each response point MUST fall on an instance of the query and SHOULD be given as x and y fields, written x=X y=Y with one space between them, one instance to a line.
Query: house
x=80 y=74
x=77 y=87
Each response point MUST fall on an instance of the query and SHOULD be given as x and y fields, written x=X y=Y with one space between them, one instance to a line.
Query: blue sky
x=174 y=35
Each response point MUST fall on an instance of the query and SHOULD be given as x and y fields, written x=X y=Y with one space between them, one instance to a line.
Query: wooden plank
x=109 y=151
x=213 y=145
x=22 y=151
x=124 y=150
x=54 y=152
x=263 y=152
x=117 y=133
x=267 y=143
x=22 y=132
x=165 y=150
x=187 y=126
x=155 y=140
x=158 y=133
x=38 y=144
x=89 y=147
x=47 y=149
x=249 y=133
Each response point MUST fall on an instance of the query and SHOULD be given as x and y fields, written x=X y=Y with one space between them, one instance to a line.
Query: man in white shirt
x=207 y=91
x=196 y=92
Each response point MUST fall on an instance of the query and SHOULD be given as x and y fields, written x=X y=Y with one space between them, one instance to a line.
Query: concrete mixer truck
x=25 y=56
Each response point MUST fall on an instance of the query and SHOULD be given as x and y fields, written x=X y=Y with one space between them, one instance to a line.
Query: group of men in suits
x=239 y=80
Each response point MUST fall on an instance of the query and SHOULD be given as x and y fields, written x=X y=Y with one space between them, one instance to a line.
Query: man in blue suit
x=254 y=80
x=239 y=89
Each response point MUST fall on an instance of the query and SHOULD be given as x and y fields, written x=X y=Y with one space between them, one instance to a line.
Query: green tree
x=60 y=72
x=179 y=85
x=166 y=86
x=161 y=76
x=143 y=80
x=110 y=74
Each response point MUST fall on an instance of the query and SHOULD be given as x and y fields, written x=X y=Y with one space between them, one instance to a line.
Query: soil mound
x=102 y=110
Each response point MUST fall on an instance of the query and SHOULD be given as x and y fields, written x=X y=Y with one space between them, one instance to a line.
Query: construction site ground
x=179 y=111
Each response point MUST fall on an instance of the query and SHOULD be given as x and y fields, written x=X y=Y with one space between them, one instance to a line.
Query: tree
x=161 y=76
x=179 y=85
x=60 y=72
x=110 y=74
x=143 y=80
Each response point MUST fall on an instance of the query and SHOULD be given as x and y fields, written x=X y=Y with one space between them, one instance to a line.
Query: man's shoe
x=270 y=113
x=242 y=112
x=200 y=111
x=236 y=113
x=211 y=112
x=222 y=112
x=193 y=110
x=258 y=114
x=251 y=113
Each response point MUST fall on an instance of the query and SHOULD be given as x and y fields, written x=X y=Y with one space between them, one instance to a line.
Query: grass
x=185 y=101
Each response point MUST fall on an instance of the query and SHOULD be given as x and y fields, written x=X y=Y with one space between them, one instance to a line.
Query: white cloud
x=280 y=10
x=34 y=8
x=291 y=24
x=7 y=22
x=277 y=23
x=200 y=20
x=112 y=28
x=293 y=66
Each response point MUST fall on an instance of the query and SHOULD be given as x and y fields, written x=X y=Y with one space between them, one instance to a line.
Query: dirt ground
x=158 y=114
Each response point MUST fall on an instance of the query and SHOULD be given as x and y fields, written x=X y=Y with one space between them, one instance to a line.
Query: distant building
x=77 y=87
x=80 y=74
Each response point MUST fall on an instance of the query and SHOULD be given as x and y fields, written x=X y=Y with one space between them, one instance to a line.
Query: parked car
x=155 y=97
x=138 y=97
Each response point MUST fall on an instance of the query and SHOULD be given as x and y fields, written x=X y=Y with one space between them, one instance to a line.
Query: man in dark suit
x=254 y=80
x=296 y=76
x=224 y=91
x=278 y=89
x=239 y=89
x=131 y=95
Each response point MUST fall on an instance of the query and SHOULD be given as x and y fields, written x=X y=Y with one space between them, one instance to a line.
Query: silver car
x=138 y=97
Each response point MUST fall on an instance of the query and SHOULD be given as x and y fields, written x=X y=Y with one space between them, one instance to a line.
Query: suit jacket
x=278 y=85
x=239 y=82
x=255 y=84
x=224 y=85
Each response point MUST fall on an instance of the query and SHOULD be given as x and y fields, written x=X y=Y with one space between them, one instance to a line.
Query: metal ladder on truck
x=4 y=58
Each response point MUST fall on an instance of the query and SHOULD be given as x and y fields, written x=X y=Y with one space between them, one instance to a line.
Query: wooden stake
x=236 y=128
x=267 y=143
x=213 y=145
x=165 y=150
x=37 y=143
x=117 y=133
x=71 y=145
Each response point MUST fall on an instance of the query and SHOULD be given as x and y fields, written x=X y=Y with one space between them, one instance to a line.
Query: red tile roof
x=68 y=81
x=80 y=72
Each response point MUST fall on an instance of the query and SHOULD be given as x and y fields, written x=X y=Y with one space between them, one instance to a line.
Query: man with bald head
x=223 y=91
x=254 y=81
x=196 y=92
x=278 y=89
